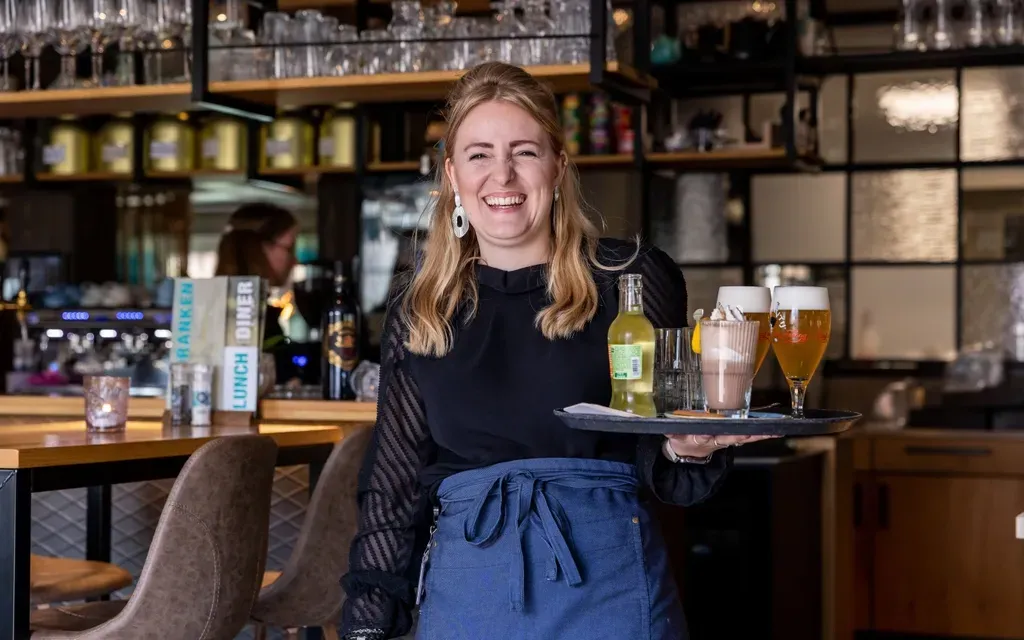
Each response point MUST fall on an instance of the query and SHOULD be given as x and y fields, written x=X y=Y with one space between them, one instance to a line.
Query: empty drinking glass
x=677 y=371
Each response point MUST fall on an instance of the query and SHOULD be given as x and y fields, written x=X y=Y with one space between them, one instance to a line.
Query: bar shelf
x=285 y=93
x=726 y=159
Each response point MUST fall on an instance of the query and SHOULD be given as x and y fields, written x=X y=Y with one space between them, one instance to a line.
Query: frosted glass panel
x=799 y=218
x=702 y=287
x=901 y=117
x=993 y=116
x=903 y=312
x=904 y=216
x=992 y=304
x=993 y=214
x=832 y=134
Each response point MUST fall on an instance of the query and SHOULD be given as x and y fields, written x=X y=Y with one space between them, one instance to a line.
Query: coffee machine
x=56 y=348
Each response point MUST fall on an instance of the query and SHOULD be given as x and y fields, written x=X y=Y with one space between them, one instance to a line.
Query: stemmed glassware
x=800 y=333
x=306 y=44
x=105 y=26
x=10 y=38
x=34 y=22
x=69 y=31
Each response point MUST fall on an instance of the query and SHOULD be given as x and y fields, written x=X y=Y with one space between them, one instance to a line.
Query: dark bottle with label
x=340 y=330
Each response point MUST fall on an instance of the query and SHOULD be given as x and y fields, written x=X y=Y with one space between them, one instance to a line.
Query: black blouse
x=491 y=400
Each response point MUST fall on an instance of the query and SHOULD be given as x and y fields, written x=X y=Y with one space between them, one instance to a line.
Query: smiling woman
x=539 y=531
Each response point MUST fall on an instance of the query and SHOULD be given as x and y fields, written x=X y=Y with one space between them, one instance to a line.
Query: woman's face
x=504 y=168
x=281 y=256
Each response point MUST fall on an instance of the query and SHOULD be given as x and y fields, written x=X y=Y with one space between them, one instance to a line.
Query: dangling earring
x=460 y=221
x=557 y=194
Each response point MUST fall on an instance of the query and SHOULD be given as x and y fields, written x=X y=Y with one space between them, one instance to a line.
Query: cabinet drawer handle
x=883 y=506
x=922 y=450
x=858 y=505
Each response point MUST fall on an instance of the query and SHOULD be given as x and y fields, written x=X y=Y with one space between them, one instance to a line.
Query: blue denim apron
x=546 y=549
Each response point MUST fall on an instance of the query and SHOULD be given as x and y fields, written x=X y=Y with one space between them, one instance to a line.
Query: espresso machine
x=48 y=351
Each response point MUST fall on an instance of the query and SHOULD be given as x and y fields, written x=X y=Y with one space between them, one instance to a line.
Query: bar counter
x=19 y=407
x=120 y=519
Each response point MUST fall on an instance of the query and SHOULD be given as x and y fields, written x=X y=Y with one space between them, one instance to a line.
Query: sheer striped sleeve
x=379 y=591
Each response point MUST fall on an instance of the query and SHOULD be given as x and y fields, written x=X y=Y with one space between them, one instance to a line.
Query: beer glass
x=756 y=303
x=800 y=333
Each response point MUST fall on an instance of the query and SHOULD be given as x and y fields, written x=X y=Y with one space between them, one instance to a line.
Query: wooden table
x=61 y=455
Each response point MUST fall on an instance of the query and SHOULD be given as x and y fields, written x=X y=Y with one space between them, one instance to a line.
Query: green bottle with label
x=631 y=351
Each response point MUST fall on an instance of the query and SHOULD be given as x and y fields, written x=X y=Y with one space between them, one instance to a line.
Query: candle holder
x=106 y=403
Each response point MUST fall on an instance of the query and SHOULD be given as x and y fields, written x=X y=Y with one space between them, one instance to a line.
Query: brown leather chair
x=307 y=592
x=204 y=568
x=67 y=579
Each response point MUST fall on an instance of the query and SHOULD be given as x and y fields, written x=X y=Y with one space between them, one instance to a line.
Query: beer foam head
x=802 y=298
x=750 y=299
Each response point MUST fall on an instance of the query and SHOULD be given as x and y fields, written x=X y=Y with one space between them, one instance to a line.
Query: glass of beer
x=756 y=303
x=800 y=333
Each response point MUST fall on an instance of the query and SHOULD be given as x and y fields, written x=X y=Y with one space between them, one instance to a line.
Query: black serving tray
x=816 y=422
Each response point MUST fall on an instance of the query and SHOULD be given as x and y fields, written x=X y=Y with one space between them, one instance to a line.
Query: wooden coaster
x=692 y=413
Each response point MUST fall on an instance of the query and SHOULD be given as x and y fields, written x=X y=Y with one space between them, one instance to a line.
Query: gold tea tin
x=66 y=151
x=170 y=145
x=337 y=142
x=112 y=146
x=223 y=143
x=286 y=143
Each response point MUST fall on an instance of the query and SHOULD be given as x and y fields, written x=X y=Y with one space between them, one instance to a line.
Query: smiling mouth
x=505 y=203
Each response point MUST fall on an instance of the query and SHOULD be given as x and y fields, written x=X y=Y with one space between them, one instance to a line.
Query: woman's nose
x=504 y=171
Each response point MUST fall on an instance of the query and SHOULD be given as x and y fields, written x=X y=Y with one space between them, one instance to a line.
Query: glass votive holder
x=106 y=403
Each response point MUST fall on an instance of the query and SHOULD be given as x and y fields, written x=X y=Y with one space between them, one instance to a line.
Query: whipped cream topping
x=732 y=313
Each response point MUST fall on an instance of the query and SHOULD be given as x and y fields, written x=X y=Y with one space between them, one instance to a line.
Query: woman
x=259 y=240
x=539 y=530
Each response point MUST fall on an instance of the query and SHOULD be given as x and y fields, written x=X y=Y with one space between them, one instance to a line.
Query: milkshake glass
x=728 y=351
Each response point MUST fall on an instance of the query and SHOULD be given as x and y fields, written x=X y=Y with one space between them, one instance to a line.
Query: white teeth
x=508 y=201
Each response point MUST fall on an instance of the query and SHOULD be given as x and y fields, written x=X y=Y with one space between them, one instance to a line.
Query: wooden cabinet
x=934 y=545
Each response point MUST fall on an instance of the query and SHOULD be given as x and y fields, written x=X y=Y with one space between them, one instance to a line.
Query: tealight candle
x=106 y=403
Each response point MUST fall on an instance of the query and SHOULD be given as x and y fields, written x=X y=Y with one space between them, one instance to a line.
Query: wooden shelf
x=391 y=87
x=195 y=173
x=103 y=100
x=284 y=93
x=725 y=159
x=12 y=179
x=403 y=165
x=609 y=160
x=92 y=176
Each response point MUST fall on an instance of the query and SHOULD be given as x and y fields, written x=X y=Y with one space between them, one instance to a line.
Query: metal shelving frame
x=852 y=66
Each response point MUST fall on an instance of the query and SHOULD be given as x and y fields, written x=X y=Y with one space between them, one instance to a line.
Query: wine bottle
x=340 y=331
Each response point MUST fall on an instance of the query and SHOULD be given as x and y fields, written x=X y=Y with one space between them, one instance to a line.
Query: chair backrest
x=205 y=565
x=308 y=592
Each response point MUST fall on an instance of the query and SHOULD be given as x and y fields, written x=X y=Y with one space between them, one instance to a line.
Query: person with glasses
x=259 y=240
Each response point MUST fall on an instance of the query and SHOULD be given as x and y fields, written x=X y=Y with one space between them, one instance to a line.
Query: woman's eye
x=532 y=154
x=476 y=156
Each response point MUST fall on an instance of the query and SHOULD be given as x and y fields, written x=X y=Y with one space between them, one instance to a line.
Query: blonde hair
x=446 y=279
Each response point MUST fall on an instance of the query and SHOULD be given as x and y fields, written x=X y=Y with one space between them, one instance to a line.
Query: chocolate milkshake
x=728 y=350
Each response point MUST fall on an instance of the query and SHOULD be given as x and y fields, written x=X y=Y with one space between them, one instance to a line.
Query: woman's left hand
x=694 y=446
